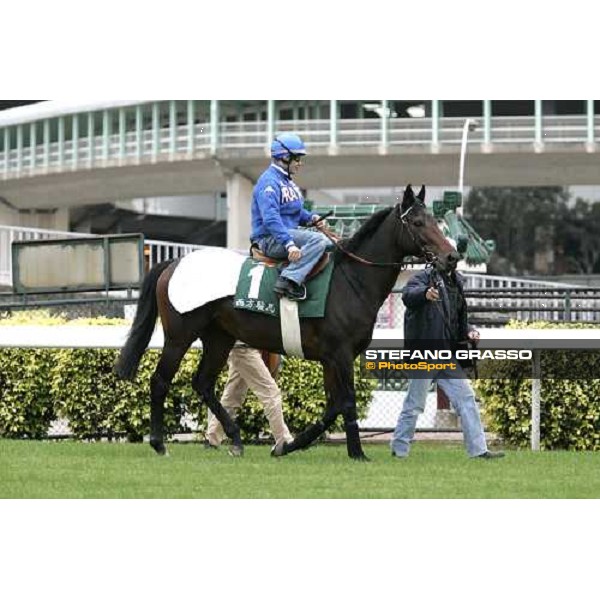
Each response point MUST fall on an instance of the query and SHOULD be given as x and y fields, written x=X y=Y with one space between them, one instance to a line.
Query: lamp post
x=470 y=125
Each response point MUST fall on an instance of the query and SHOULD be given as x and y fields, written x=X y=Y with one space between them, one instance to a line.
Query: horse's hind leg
x=216 y=345
x=167 y=367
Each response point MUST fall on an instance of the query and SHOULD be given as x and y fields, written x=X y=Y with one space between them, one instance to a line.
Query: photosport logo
x=398 y=363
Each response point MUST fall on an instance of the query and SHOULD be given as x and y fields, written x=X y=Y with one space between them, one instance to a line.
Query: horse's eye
x=418 y=223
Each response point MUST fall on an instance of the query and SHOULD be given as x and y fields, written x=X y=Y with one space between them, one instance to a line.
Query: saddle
x=257 y=255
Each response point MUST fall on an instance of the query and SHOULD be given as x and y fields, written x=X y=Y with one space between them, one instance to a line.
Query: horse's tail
x=143 y=325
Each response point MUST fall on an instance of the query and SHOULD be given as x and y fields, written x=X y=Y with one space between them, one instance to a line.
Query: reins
x=429 y=258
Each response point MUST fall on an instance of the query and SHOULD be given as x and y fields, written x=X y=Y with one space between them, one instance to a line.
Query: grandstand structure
x=182 y=171
x=58 y=156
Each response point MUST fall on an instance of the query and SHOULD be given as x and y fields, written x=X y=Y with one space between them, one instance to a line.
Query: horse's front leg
x=338 y=376
x=342 y=374
x=350 y=416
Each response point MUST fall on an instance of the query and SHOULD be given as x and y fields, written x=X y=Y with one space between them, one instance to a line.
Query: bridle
x=403 y=220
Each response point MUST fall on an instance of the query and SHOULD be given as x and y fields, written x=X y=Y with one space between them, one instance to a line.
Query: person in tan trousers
x=247 y=370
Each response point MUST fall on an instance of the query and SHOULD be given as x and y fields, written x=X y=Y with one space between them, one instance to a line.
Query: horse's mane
x=365 y=231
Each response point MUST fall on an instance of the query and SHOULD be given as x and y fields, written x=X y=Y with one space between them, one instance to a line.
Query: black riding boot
x=290 y=289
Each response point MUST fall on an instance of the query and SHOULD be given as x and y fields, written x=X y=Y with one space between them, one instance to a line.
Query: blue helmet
x=287 y=144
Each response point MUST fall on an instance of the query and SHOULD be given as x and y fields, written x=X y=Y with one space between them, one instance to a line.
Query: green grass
x=31 y=469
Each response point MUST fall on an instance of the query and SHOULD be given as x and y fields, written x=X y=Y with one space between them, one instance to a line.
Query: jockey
x=277 y=211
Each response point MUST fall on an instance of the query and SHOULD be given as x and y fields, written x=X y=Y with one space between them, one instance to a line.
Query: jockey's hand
x=294 y=253
x=319 y=224
x=473 y=335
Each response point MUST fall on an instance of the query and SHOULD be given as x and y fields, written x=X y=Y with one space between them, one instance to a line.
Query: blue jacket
x=277 y=206
x=424 y=319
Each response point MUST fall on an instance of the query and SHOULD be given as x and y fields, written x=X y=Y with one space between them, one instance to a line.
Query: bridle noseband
x=427 y=254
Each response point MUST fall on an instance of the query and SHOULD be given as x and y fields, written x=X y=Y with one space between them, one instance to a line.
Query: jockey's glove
x=320 y=224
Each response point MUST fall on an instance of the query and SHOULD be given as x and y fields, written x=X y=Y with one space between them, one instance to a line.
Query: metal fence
x=154 y=132
x=495 y=300
x=155 y=251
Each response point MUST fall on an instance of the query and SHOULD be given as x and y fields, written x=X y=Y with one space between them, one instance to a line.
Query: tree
x=525 y=222
x=580 y=229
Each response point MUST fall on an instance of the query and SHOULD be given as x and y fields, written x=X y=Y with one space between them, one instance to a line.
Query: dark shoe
x=209 y=446
x=394 y=455
x=290 y=289
x=490 y=455
x=281 y=285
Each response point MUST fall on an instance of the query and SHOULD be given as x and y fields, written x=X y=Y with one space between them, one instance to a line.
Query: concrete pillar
x=57 y=219
x=239 y=200
x=61 y=219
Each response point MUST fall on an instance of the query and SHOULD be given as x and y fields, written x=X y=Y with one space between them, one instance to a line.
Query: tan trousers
x=248 y=371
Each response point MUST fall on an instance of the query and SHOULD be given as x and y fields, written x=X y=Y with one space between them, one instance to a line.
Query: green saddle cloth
x=255 y=290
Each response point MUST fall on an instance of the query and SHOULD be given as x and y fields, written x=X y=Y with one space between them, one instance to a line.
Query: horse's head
x=425 y=238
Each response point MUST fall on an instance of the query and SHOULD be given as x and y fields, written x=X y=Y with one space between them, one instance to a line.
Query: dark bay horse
x=357 y=291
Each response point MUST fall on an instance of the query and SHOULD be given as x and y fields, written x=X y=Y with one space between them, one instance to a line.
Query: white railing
x=182 y=143
x=155 y=251
x=536 y=340
x=478 y=281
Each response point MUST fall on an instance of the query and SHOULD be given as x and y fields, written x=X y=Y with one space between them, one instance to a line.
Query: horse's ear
x=421 y=194
x=409 y=198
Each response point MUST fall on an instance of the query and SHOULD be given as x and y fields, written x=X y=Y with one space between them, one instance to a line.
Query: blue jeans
x=312 y=243
x=461 y=396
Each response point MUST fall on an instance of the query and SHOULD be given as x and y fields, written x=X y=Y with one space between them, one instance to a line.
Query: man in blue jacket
x=277 y=211
x=436 y=318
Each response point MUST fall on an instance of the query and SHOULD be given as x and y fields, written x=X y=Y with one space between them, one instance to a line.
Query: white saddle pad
x=204 y=275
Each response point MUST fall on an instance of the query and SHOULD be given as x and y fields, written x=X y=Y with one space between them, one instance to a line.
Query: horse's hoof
x=279 y=450
x=361 y=458
x=159 y=448
x=236 y=451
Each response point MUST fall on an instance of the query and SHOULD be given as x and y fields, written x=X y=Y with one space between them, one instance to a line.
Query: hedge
x=38 y=386
x=570 y=409
x=26 y=404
